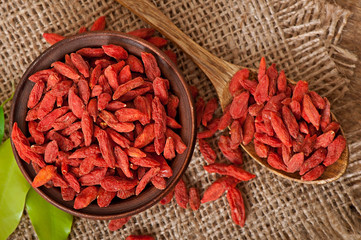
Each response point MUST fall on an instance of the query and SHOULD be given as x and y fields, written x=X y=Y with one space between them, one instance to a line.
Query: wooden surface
x=352 y=33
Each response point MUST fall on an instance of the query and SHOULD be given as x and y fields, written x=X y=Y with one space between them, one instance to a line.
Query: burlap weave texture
x=301 y=37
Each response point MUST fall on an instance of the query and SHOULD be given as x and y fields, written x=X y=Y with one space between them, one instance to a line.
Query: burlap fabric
x=300 y=36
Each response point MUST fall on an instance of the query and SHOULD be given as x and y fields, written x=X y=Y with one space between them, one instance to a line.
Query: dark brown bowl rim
x=187 y=158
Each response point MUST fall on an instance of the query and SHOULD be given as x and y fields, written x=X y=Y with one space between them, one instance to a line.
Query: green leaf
x=49 y=222
x=13 y=190
x=2 y=123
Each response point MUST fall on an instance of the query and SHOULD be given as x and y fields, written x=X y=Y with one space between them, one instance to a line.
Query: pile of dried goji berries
x=232 y=173
x=286 y=123
x=111 y=130
x=292 y=126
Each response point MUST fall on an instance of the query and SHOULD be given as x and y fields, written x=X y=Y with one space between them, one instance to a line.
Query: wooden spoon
x=220 y=73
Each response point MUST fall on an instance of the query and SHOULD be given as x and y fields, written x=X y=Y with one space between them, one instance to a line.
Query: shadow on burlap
x=301 y=37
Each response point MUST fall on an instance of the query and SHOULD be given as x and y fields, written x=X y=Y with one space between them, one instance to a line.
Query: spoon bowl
x=220 y=73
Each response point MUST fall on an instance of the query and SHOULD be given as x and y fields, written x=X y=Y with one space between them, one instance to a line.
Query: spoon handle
x=216 y=69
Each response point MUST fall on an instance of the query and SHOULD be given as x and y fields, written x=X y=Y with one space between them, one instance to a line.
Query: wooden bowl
x=150 y=196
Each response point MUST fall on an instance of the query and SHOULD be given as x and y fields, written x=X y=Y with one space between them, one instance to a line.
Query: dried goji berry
x=299 y=91
x=235 y=200
x=86 y=166
x=51 y=152
x=207 y=152
x=150 y=66
x=290 y=121
x=280 y=129
x=125 y=75
x=72 y=181
x=66 y=70
x=226 y=119
x=82 y=30
x=261 y=149
x=105 y=147
x=233 y=155
x=118 y=223
x=115 y=183
x=37 y=135
x=160 y=89
x=115 y=51
x=158 y=41
x=124 y=194
x=142 y=32
x=282 y=82
x=64 y=143
x=126 y=87
x=303 y=127
x=255 y=109
x=261 y=93
x=229 y=170
x=91 y=52
x=45 y=174
x=35 y=94
x=85 y=197
x=38 y=149
x=135 y=64
x=209 y=110
x=61 y=88
x=46 y=105
x=41 y=75
x=139 y=237
x=235 y=83
x=275 y=161
x=145 y=179
x=272 y=75
x=94 y=177
x=67 y=194
x=325 y=115
x=271 y=141
x=99 y=24
x=75 y=103
x=194 y=201
x=295 y=162
x=181 y=194
x=311 y=111
x=317 y=157
x=325 y=139
x=87 y=128
x=47 y=122
x=135 y=152
x=52 y=38
x=104 y=197
x=262 y=68
x=80 y=64
x=334 y=150
x=314 y=173
x=239 y=105
x=180 y=147
x=158 y=182
x=172 y=55
x=214 y=191
x=317 y=100
x=169 y=149
x=333 y=126
x=144 y=161
x=168 y=198
x=296 y=109
x=248 y=130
